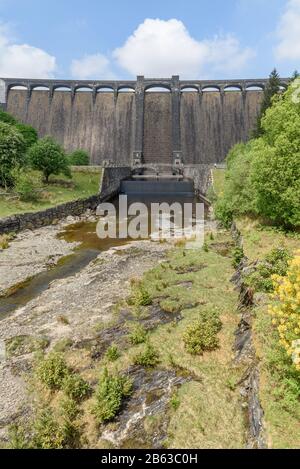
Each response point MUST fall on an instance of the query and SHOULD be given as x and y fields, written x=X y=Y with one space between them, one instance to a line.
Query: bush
x=139 y=295
x=286 y=310
x=75 y=387
x=112 y=354
x=52 y=370
x=29 y=134
x=49 y=157
x=238 y=255
x=79 y=158
x=7 y=118
x=148 y=358
x=26 y=186
x=12 y=151
x=110 y=394
x=138 y=335
x=263 y=176
x=275 y=263
x=202 y=335
x=238 y=196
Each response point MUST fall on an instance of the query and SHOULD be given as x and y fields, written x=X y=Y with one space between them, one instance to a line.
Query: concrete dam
x=146 y=122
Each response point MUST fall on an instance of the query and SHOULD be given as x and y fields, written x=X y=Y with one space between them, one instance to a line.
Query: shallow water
x=89 y=248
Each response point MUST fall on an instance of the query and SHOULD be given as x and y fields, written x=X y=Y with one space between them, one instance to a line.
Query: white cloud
x=23 y=60
x=288 y=32
x=95 y=66
x=164 y=48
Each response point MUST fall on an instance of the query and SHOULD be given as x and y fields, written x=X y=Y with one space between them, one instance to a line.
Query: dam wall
x=146 y=121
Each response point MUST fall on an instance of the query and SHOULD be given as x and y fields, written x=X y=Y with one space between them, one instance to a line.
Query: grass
x=279 y=383
x=279 y=386
x=259 y=240
x=207 y=411
x=59 y=191
x=219 y=180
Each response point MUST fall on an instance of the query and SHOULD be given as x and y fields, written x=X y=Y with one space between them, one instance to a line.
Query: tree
x=49 y=157
x=79 y=158
x=295 y=75
x=12 y=151
x=7 y=118
x=30 y=135
x=271 y=90
x=275 y=170
x=238 y=197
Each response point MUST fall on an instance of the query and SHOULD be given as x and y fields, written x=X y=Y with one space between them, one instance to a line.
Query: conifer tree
x=272 y=88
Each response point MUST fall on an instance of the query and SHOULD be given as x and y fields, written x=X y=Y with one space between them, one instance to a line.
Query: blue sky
x=118 y=39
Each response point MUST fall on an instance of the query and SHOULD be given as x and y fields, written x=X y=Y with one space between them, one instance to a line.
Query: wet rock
x=143 y=423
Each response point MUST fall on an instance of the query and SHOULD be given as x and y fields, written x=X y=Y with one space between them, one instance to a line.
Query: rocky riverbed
x=70 y=308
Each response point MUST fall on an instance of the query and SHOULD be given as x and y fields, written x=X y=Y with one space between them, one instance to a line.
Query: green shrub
x=263 y=176
x=275 y=263
x=148 y=358
x=26 y=186
x=139 y=295
x=79 y=158
x=112 y=354
x=18 y=439
x=29 y=134
x=202 y=335
x=75 y=387
x=110 y=394
x=138 y=335
x=4 y=241
x=47 y=432
x=238 y=196
x=53 y=370
x=49 y=157
x=69 y=408
x=12 y=153
x=238 y=255
x=175 y=401
x=7 y=118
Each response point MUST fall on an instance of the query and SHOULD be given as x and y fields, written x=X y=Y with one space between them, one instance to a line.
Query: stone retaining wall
x=24 y=221
x=109 y=186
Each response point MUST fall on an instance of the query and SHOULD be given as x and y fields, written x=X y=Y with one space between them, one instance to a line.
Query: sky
x=196 y=39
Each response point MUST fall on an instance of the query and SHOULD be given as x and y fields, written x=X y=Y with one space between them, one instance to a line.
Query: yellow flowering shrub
x=286 y=309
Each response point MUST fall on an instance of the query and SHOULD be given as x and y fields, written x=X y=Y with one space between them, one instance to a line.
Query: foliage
x=275 y=171
x=52 y=370
x=148 y=358
x=29 y=134
x=79 y=158
x=275 y=263
x=4 y=241
x=202 y=335
x=112 y=354
x=26 y=185
x=263 y=176
x=238 y=196
x=286 y=309
x=238 y=255
x=75 y=387
x=138 y=335
x=272 y=89
x=110 y=394
x=7 y=118
x=49 y=157
x=23 y=344
x=139 y=295
x=12 y=150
